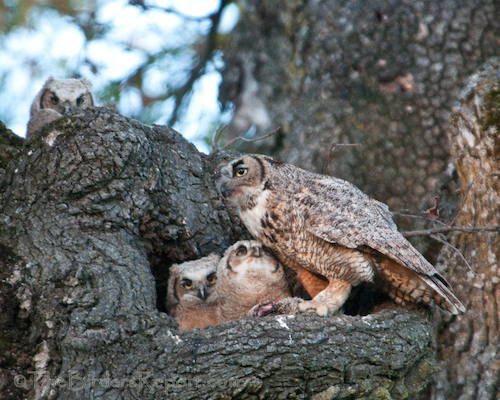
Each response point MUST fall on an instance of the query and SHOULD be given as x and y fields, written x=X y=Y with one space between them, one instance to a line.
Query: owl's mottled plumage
x=58 y=97
x=248 y=274
x=191 y=297
x=317 y=224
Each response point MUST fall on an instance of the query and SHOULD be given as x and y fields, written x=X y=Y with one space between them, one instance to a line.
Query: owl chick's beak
x=256 y=252
x=67 y=107
x=202 y=294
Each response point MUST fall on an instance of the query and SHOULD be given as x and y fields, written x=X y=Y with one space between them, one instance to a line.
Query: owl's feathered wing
x=344 y=215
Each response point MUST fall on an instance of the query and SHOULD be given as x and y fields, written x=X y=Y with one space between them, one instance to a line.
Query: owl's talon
x=311 y=305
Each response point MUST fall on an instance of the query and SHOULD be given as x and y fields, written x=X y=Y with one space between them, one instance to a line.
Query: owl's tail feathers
x=405 y=285
x=443 y=296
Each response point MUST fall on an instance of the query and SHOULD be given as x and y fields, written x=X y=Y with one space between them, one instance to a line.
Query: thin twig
x=444 y=229
x=408 y=215
x=419 y=217
x=169 y=10
x=459 y=209
x=333 y=151
x=249 y=140
x=217 y=133
x=445 y=242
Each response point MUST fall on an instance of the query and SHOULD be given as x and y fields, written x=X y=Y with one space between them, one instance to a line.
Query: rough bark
x=383 y=74
x=96 y=208
x=470 y=363
x=10 y=144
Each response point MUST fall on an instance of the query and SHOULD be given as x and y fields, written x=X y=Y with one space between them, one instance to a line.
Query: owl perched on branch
x=58 y=97
x=191 y=296
x=329 y=232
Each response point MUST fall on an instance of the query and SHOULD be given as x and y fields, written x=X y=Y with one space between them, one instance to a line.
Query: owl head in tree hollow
x=320 y=225
x=59 y=97
x=191 y=296
x=248 y=274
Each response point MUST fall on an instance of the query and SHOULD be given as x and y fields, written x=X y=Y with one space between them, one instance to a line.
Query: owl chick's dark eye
x=80 y=100
x=187 y=284
x=54 y=99
x=241 y=171
x=211 y=279
x=241 y=251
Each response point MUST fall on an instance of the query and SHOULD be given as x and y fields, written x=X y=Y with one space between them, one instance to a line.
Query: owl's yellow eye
x=241 y=251
x=211 y=279
x=241 y=171
x=80 y=101
x=54 y=99
x=187 y=284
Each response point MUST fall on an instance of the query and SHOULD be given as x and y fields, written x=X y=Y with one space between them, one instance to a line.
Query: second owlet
x=191 y=295
x=319 y=225
x=248 y=274
x=58 y=97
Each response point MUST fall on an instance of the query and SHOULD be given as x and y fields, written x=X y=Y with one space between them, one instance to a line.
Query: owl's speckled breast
x=252 y=217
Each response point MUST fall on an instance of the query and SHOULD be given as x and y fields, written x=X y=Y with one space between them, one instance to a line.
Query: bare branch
x=445 y=242
x=418 y=217
x=444 y=229
x=217 y=133
x=250 y=140
x=408 y=215
x=334 y=148
x=200 y=68
x=197 y=71
x=169 y=10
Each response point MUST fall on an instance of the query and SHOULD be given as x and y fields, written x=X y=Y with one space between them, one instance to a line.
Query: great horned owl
x=247 y=275
x=317 y=224
x=191 y=296
x=58 y=97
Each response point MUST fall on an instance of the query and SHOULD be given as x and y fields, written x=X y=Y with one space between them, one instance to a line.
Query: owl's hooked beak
x=202 y=294
x=225 y=191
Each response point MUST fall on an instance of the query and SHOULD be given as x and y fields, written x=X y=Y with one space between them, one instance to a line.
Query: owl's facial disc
x=232 y=178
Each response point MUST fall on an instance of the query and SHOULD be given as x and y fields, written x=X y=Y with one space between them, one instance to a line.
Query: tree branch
x=199 y=69
x=446 y=243
x=239 y=138
x=445 y=229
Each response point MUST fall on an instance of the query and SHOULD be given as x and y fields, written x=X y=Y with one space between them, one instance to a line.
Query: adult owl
x=329 y=232
x=58 y=97
x=248 y=274
x=191 y=295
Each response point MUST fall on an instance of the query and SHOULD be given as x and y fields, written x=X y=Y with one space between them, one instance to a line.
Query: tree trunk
x=93 y=212
x=470 y=360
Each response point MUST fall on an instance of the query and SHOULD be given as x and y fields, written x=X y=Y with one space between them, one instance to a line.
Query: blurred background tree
x=154 y=60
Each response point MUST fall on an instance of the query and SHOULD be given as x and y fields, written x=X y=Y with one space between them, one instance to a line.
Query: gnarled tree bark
x=470 y=361
x=96 y=208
